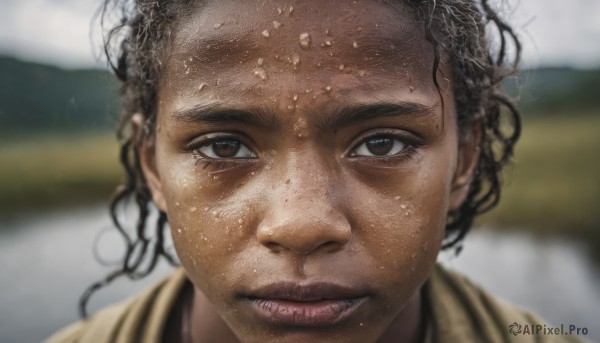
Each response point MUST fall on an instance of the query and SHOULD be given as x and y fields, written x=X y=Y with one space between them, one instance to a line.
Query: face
x=306 y=164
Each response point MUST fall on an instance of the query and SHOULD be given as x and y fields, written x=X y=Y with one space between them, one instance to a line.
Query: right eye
x=225 y=148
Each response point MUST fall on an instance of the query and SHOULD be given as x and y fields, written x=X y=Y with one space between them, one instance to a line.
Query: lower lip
x=306 y=313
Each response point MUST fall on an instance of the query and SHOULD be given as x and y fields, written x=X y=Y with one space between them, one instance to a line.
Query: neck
x=409 y=325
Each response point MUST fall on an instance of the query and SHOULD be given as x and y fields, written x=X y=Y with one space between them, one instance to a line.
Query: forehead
x=252 y=47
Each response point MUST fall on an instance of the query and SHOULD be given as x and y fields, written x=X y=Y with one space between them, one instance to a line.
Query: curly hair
x=463 y=30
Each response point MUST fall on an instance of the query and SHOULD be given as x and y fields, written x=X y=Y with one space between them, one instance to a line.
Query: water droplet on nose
x=261 y=61
x=355 y=45
x=277 y=24
x=342 y=67
x=265 y=33
x=295 y=60
x=193 y=209
x=305 y=40
x=260 y=73
x=202 y=85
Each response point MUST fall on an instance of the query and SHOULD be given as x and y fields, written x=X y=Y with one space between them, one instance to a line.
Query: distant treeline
x=36 y=97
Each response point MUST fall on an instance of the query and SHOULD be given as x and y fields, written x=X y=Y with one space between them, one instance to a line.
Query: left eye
x=380 y=146
x=226 y=148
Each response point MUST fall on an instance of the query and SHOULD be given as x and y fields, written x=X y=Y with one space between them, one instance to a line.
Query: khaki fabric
x=458 y=312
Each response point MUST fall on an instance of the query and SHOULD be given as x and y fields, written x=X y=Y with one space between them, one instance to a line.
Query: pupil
x=226 y=148
x=380 y=146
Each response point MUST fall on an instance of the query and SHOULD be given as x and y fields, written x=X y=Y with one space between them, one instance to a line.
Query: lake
x=46 y=262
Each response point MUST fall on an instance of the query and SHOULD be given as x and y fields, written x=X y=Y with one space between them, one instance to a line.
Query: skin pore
x=303 y=146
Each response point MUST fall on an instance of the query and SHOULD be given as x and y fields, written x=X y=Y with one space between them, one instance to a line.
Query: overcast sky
x=554 y=32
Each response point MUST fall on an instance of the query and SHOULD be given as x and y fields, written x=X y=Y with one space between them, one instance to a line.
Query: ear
x=147 y=156
x=467 y=159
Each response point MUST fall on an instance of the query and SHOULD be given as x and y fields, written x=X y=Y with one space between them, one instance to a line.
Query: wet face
x=306 y=165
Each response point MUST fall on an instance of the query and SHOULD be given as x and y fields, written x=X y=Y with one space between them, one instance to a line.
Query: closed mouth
x=317 y=304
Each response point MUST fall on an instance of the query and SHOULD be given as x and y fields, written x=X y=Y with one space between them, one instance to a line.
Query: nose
x=303 y=215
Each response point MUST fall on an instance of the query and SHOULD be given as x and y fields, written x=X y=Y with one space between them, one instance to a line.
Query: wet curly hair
x=462 y=30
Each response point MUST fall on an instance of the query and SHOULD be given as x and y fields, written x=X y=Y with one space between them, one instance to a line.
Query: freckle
x=261 y=61
x=355 y=45
x=305 y=40
x=218 y=25
x=277 y=24
x=342 y=67
x=265 y=33
x=193 y=209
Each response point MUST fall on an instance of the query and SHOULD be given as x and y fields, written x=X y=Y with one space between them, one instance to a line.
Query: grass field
x=44 y=172
x=554 y=185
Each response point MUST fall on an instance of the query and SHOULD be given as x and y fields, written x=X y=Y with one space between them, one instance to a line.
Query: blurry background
x=58 y=167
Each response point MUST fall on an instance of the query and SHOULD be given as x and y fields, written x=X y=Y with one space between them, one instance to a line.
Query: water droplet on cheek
x=277 y=24
x=266 y=34
x=260 y=73
x=355 y=45
x=260 y=61
x=193 y=209
x=342 y=67
x=202 y=85
x=295 y=60
x=305 y=40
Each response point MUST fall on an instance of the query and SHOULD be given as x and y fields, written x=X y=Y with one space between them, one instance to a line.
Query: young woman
x=311 y=159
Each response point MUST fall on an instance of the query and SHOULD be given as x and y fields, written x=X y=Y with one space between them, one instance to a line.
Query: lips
x=316 y=304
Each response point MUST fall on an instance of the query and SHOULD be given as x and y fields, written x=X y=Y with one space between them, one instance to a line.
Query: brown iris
x=226 y=148
x=380 y=146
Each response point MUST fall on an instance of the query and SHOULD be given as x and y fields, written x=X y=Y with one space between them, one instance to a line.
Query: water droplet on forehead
x=295 y=60
x=277 y=24
x=260 y=73
x=193 y=209
x=305 y=40
x=342 y=67
x=260 y=61
x=355 y=45
x=265 y=33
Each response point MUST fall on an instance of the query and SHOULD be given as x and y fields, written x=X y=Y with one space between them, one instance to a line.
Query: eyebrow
x=215 y=114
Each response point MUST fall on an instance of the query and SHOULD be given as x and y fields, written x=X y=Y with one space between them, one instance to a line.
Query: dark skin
x=331 y=162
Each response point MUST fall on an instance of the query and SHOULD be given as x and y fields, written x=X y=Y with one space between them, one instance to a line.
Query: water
x=46 y=263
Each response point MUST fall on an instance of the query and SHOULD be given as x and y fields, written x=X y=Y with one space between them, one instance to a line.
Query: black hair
x=462 y=30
